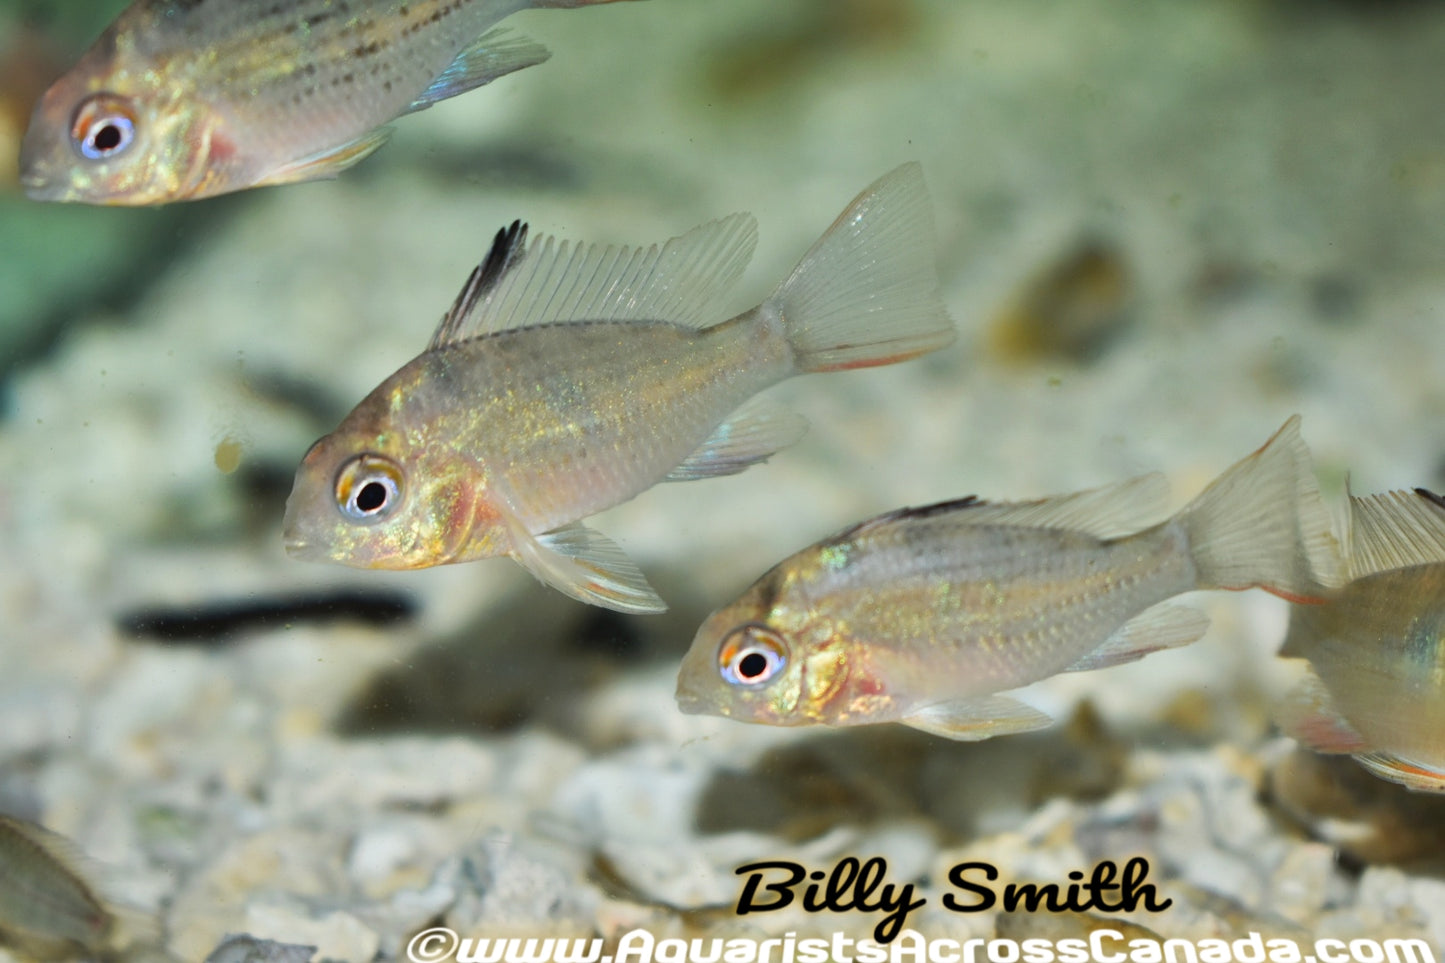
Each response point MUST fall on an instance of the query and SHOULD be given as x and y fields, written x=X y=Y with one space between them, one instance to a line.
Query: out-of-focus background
x=1163 y=229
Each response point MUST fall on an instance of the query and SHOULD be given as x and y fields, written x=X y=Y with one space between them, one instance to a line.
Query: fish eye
x=752 y=655
x=368 y=488
x=104 y=126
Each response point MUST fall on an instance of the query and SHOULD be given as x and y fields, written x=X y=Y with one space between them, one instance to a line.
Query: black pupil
x=371 y=497
x=107 y=138
x=752 y=665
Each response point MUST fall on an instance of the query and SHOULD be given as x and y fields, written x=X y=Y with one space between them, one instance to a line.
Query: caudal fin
x=1264 y=524
x=867 y=292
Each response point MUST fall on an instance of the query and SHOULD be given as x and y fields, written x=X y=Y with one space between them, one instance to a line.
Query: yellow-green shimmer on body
x=567 y=379
x=1376 y=647
x=924 y=615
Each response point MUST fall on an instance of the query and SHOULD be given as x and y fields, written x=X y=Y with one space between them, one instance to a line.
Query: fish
x=48 y=908
x=566 y=379
x=1374 y=682
x=924 y=616
x=185 y=99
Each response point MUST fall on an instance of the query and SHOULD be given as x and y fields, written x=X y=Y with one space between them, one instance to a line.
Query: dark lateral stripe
x=222 y=619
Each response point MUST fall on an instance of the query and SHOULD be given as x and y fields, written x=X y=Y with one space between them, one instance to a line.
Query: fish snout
x=293 y=537
x=33 y=179
x=696 y=694
x=688 y=701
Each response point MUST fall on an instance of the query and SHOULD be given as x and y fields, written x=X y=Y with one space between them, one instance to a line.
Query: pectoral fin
x=750 y=435
x=330 y=162
x=588 y=566
x=494 y=55
x=1162 y=627
x=980 y=717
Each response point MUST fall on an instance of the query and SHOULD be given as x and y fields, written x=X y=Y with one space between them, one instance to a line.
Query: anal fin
x=976 y=718
x=750 y=435
x=587 y=565
x=1411 y=775
x=495 y=54
x=330 y=162
x=1158 y=628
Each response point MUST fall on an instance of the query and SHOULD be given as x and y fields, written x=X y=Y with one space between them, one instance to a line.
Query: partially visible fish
x=244 y=948
x=47 y=907
x=567 y=379
x=1376 y=648
x=183 y=99
x=923 y=615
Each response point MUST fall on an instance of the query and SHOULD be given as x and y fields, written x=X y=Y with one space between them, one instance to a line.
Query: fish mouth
x=37 y=187
x=296 y=546
x=691 y=702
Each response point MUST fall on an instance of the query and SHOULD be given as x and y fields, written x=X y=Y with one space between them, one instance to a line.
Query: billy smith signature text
x=862 y=886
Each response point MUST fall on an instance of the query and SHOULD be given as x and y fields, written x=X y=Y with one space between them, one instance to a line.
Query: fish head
x=764 y=660
x=368 y=500
x=118 y=129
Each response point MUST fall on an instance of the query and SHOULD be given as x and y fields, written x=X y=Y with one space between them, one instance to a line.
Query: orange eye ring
x=104 y=126
x=751 y=656
x=369 y=488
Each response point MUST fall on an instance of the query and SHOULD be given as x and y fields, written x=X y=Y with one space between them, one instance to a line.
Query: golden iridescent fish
x=568 y=379
x=923 y=615
x=183 y=99
x=1376 y=648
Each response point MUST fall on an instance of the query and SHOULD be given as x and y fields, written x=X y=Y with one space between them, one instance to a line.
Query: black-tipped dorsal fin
x=552 y=281
x=506 y=250
x=1112 y=511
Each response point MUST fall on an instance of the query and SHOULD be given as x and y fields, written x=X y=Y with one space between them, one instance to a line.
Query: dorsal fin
x=553 y=281
x=506 y=249
x=1108 y=512
x=1395 y=530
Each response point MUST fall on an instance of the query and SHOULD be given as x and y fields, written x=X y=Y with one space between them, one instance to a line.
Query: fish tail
x=867 y=292
x=1264 y=524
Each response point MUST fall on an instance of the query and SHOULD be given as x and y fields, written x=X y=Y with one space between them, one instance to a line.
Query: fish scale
x=632 y=445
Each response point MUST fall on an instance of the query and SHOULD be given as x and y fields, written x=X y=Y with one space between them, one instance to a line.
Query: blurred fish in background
x=1376 y=648
x=184 y=99
x=568 y=379
x=921 y=615
x=51 y=910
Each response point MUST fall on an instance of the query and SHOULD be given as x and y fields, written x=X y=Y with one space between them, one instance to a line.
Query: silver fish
x=923 y=615
x=1376 y=648
x=566 y=380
